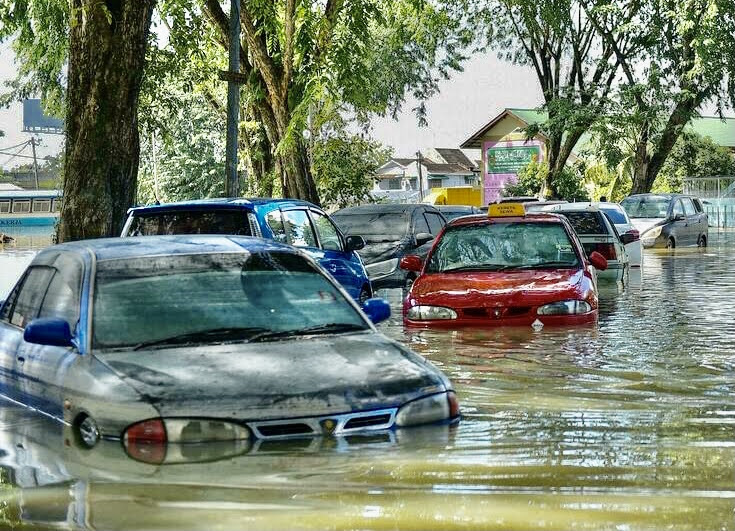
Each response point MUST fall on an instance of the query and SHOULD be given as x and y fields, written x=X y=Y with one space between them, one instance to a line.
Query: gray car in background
x=391 y=231
x=668 y=220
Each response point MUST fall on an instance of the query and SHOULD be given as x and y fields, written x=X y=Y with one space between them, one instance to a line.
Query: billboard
x=35 y=121
x=502 y=160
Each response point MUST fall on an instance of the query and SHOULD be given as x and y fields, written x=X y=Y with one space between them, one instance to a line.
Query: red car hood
x=494 y=288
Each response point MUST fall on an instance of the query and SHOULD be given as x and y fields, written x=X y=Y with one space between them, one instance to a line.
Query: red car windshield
x=501 y=246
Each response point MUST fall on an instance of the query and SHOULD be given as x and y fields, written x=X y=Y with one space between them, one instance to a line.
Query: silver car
x=205 y=338
x=597 y=233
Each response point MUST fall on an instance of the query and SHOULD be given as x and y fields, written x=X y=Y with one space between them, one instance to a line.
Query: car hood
x=280 y=379
x=489 y=289
x=644 y=224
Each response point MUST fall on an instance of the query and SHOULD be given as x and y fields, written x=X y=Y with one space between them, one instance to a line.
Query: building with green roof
x=505 y=149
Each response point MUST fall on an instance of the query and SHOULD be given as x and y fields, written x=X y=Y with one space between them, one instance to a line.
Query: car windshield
x=646 y=206
x=224 y=221
x=501 y=246
x=211 y=297
x=375 y=226
x=585 y=222
x=615 y=215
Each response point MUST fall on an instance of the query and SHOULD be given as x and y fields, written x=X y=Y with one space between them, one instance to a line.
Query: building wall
x=505 y=151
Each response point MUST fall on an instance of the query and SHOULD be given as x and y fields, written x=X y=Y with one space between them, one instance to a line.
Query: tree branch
x=289 y=26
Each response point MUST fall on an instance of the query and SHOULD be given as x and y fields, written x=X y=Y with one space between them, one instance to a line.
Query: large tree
x=685 y=58
x=574 y=66
x=107 y=46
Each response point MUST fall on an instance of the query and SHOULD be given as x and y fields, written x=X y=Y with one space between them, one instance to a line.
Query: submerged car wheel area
x=264 y=345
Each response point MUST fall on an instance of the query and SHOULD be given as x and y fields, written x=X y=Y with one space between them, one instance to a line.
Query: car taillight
x=631 y=236
x=607 y=250
x=453 y=405
x=148 y=431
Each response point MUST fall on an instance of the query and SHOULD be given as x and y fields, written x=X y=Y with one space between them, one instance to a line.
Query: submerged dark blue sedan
x=204 y=338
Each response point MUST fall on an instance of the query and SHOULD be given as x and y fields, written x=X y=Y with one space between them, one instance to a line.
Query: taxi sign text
x=504 y=210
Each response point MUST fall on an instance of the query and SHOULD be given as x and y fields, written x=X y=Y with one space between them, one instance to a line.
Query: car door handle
x=21 y=359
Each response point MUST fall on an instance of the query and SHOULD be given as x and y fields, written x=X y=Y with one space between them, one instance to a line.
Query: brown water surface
x=626 y=425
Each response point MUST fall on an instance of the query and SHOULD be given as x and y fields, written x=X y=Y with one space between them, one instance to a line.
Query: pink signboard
x=503 y=160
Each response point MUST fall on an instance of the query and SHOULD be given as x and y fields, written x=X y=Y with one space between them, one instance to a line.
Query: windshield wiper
x=485 y=267
x=543 y=265
x=329 y=328
x=203 y=336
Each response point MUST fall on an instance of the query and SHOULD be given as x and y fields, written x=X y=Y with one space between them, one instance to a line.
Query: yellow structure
x=458 y=195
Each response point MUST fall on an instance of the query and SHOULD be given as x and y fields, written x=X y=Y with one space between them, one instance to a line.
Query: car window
x=689 y=209
x=698 y=205
x=586 y=222
x=62 y=295
x=617 y=217
x=31 y=295
x=435 y=222
x=420 y=224
x=275 y=223
x=678 y=209
x=138 y=300
x=298 y=228
x=645 y=206
x=223 y=221
x=328 y=235
x=499 y=246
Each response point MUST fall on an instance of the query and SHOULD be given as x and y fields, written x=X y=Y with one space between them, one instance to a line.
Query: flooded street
x=625 y=425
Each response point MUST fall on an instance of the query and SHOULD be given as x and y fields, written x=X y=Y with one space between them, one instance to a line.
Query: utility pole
x=419 y=158
x=232 y=185
x=35 y=161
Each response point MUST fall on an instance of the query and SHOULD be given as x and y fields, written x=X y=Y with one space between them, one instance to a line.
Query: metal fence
x=718 y=197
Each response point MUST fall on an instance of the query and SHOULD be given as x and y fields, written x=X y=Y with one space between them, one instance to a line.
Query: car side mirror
x=422 y=238
x=49 y=331
x=599 y=261
x=411 y=262
x=355 y=243
x=679 y=217
x=377 y=309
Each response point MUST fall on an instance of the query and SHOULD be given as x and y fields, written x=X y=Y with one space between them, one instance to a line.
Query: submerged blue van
x=292 y=221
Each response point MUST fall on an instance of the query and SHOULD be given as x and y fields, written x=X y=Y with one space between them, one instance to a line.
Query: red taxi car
x=506 y=268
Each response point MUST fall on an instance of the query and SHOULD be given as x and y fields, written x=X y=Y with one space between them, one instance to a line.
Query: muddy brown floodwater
x=629 y=424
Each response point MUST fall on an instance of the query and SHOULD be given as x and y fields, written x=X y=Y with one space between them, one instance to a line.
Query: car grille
x=495 y=313
x=348 y=423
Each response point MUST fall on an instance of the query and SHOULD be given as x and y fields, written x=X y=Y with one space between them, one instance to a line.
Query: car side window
x=420 y=224
x=328 y=235
x=678 y=210
x=435 y=222
x=31 y=295
x=62 y=295
x=298 y=228
x=689 y=209
x=275 y=222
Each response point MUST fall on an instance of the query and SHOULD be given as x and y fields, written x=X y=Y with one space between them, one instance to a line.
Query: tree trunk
x=640 y=164
x=107 y=46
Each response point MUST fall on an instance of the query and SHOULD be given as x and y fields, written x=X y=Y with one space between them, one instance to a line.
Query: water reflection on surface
x=629 y=424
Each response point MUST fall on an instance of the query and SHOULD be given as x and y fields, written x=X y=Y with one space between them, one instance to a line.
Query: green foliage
x=344 y=168
x=693 y=156
x=184 y=160
x=568 y=183
x=39 y=30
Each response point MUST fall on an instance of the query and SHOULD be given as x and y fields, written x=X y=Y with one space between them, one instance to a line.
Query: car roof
x=663 y=195
x=575 y=207
x=220 y=202
x=381 y=208
x=144 y=246
x=480 y=219
x=455 y=208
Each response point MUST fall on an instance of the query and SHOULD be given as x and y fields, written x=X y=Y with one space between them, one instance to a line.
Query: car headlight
x=386 y=267
x=564 y=308
x=429 y=313
x=652 y=234
x=434 y=408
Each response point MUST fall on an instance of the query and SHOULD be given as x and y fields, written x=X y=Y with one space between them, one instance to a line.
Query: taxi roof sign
x=506 y=210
